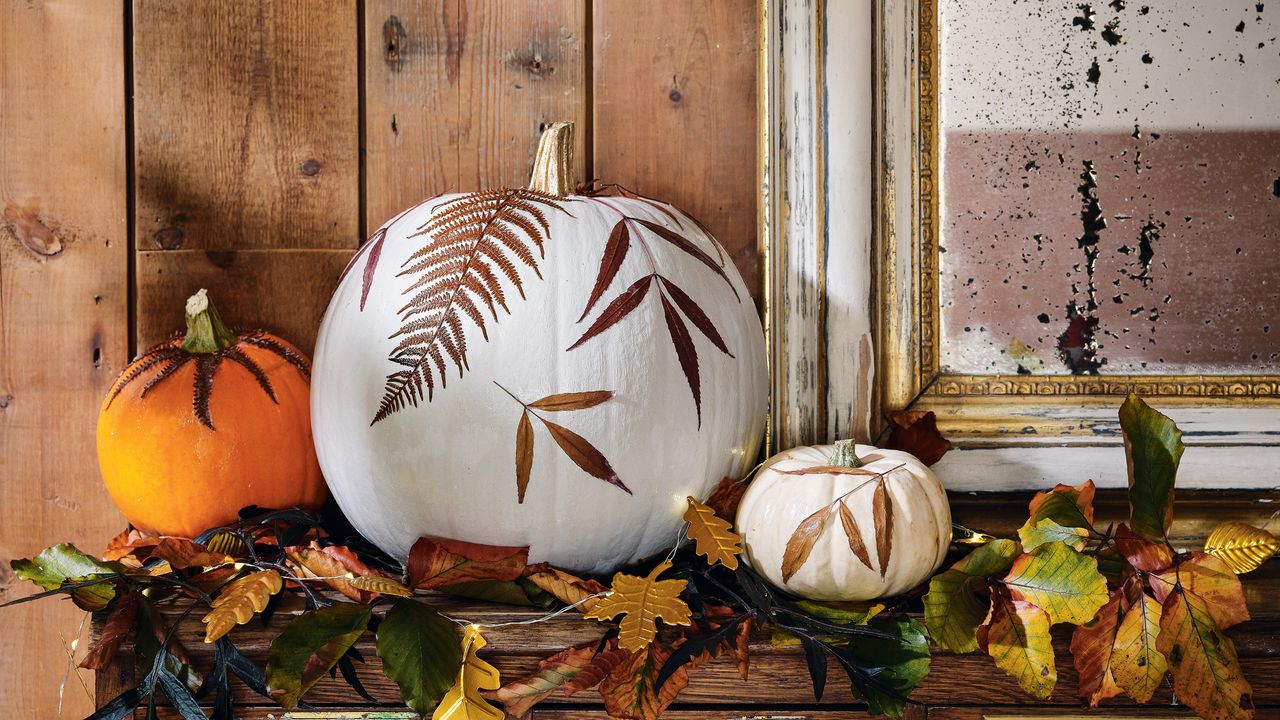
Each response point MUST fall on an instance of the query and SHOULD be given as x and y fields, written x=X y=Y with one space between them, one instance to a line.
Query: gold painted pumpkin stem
x=205 y=331
x=553 y=162
x=843 y=456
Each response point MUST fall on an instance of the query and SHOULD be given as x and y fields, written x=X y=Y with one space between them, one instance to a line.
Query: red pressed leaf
x=802 y=541
x=615 y=251
x=584 y=454
x=436 y=562
x=117 y=627
x=618 y=309
x=1092 y=645
x=524 y=454
x=598 y=189
x=691 y=310
x=726 y=497
x=686 y=245
x=1142 y=553
x=916 y=432
x=572 y=401
x=371 y=265
x=685 y=353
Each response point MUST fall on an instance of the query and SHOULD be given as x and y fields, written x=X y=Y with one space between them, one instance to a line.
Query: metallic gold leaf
x=464 y=701
x=713 y=537
x=237 y=604
x=1242 y=547
x=383 y=585
x=642 y=601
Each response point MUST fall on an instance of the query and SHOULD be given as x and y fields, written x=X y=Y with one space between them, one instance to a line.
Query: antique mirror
x=1066 y=202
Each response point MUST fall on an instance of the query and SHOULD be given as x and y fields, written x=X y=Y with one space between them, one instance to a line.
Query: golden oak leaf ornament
x=463 y=701
x=642 y=602
x=1242 y=547
x=713 y=537
x=237 y=604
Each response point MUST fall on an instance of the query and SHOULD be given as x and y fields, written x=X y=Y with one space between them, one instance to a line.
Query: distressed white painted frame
x=839 y=221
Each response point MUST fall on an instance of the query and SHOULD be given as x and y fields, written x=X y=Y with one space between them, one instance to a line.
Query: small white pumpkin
x=535 y=367
x=845 y=522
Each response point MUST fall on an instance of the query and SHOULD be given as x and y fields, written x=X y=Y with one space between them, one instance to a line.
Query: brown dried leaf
x=689 y=247
x=882 y=509
x=831 y=470
x=629 y=691
x=597 y=670
x=436 y=562
x=524 y=455
x=854 y=534
x=916 y=432
x=519 y=697
x=694 y=312
x=619 y=308
x=182 y=554
x=332 y=562
x=802 y=541
x=713 y=537
x=725 y=498
x=686 y=353
x=568 y=589
x=129 y=543
x=572 y=401
x=584 y=455
x=1092 y=646
x=210 y=580
x=118 y=625
x=1143 y=554
x=239 y=601
x=615 y=251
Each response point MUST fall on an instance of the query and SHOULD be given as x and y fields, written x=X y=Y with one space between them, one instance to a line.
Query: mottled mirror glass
x=1110 y=187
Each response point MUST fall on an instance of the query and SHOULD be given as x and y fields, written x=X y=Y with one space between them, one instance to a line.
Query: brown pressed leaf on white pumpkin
x=882 y=510
x=800 y=545
x=854 y=533
x=561 y=402
x=524 y=454
x=831 y=470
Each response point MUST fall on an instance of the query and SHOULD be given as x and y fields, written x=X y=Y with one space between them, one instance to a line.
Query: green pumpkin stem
x=844 y=456
x=205 y=331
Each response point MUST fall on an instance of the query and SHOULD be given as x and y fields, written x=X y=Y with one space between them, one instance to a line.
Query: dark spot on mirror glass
x=1240 y=27
x=1111 y=33
x=1084 y=20
x=1146 y=58
x=1043 y=317
x=1095 y=72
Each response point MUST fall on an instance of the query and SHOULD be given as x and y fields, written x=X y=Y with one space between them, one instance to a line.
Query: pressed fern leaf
x=478 y=241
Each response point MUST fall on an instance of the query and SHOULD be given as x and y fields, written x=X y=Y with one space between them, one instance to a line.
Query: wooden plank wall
x=153 y=147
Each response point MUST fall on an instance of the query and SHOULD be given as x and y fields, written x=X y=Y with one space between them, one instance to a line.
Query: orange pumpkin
x=201 y=426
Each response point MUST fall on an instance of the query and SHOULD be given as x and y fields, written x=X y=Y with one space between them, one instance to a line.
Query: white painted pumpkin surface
x=776 y=503
x=444 y=464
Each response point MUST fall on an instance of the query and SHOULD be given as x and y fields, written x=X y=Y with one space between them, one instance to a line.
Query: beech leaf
x=1092 y=646
x=239 y=601
x=882 y=511
x=1143 y=554
x=1152 y=447
x=802 y=540
x=953 y=610
x=464 y=701
x=118 y=626
x=317 y=562
x=420 y=652
x=60 y=564
x=1016 y=636
x=182 y=553
x=725 y=498
x=1047 y=531
x=642 y=602
x=1210 y=579
x=854 y=535
x=1065 y=583
x=568 y=589
x=598 y=669
x=309 y=646
x=436 y=562
x=1067 y=505
x=1136 y=664
x=713 y=537
x=630 y=690
x=916 y=432
x=519 y=697
x=1206 y=671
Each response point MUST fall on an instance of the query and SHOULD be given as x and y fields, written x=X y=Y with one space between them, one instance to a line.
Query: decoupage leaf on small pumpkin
x=1016 y=635
x=309 y=646
x=1203 y=662
x=239 y=601
x=436 y=562
x=713 y=537
x=916 y=432
x=953 y=609
x=1136 y=664
x=420 y=653
x=724 y=499
x=1153 y=448
x=882 y=512
x=118 y=625
x=464 y=701
x=800 y=544
x=1143 y=554
x=642 y=602
x=631 y=691
x=568 y=589
x=1061 y=581
x=1092 y=645
x=519 y=696
x=1210 y=579
x=1243 y=547
x=853 y=534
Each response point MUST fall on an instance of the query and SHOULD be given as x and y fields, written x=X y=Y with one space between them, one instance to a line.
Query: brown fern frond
x=476 y=241
x=153 y=357
x=206 y=366
x=291 y=356
x=173 y=367
x=237 y=356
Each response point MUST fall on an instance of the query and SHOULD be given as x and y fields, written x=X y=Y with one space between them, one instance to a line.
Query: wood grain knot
x=27 y=227
x=221 y=258
x=675 y=96
x=5 y=400
x=393 y=37
x=169 y=238
x=310 y=168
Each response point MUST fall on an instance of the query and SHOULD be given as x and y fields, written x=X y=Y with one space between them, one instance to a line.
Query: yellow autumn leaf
x=463 y=701
x=713 y=537
x=642 y=601
x=238 y=602
x=1242 y=547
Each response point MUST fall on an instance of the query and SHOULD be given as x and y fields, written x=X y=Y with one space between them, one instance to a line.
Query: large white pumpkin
x=488 y=371
x=799 y=484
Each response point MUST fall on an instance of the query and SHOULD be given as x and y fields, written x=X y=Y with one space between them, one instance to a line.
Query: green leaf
x=884 y=671
x=1153 y=448
x=309 y=646
x=953 y=610
x=1206 y=670
x=421 y=651
x=1067 y=505
x=840 y=613
x=64 y=563
x=1066 y=584
x=508 y=592
x=1047 y=531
